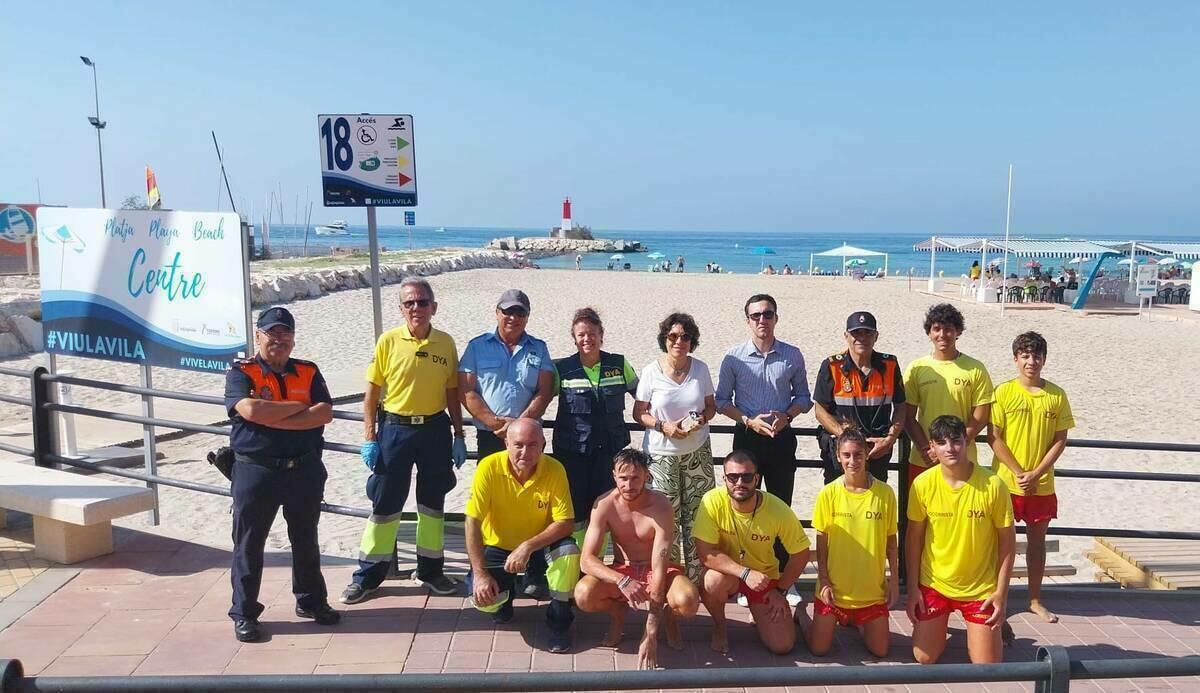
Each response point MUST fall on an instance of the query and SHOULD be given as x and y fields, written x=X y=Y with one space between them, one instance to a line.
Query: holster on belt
x=222 y=459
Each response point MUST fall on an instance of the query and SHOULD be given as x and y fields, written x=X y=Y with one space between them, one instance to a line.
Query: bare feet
x=648 y=654
x=674 y=636
x=1007 y=636
x=1040 y=609
x=720 y=641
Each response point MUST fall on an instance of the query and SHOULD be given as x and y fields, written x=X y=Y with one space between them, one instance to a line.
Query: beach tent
x=847 y=251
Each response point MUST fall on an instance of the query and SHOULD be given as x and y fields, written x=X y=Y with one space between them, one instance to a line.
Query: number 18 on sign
x=367 y=160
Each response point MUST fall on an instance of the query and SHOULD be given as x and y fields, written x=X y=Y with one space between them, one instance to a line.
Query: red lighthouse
x=566 y=218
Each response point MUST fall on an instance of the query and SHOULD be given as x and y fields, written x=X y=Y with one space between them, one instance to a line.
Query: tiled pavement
x=157 y=606
x=18 y=565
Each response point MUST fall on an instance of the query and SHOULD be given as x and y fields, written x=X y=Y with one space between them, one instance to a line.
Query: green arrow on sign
x=400 y=144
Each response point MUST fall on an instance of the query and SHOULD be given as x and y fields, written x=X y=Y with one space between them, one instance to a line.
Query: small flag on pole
x=152 y=197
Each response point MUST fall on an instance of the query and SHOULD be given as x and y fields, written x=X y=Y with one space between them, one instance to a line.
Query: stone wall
x=546 y=247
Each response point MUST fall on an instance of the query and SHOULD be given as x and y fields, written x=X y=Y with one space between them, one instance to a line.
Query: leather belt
x=390 y=418
x=278 y=463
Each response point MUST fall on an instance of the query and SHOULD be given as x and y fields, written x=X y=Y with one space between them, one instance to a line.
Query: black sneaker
x=355 y=593
x=440 y=584
x=536 y=590
x=504 y=615
x=323 y=614
x=246 y=630
x=560 y=643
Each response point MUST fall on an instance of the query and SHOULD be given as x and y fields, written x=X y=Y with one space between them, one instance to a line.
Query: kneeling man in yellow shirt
x=960 y=542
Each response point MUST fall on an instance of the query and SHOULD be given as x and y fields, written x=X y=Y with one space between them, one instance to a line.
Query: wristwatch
x=658 y=426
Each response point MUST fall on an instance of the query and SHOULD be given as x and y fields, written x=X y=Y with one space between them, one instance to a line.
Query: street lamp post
x=98 y=124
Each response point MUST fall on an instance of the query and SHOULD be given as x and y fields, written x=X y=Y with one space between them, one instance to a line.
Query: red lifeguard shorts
x=754 y=597
x=643 y=573
x=938 y=604
x=845 y=617
x=913 y=472
x=1034 y=509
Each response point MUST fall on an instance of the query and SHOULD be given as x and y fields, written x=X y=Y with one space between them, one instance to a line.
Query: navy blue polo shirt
x=306 y=384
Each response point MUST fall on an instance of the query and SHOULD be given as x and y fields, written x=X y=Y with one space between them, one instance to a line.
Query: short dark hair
x=684 y=320
x=742 y=456
x=1030 y=342
x=637 y=458
x=947 y=427
x=946 y=314
x=851 y=435
x=759 y=297
x=588 y=315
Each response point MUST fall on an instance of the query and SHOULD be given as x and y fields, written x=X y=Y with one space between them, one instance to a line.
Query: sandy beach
x=1111 y=367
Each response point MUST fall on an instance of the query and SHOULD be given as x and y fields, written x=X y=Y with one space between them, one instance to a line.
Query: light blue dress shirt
x=757 y=383
x=507 y=381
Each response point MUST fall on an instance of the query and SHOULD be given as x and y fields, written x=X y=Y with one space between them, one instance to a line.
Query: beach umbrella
x=1166 y=261
x=656 y=255
x=1186 y=264
x=762 y=250
x=616 y=256
x=1077 y=260
x=1131 y=261
x=854 y=262
x=1033 y=263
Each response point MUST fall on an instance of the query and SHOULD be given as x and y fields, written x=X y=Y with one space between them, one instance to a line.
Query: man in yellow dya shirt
x=1028 y=433
x=961 y=542
x=735 y=531
x=855 y=519
x=519 y=520
x=947 y=382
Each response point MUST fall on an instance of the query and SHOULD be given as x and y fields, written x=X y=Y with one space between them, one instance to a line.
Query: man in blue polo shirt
x=505 y=375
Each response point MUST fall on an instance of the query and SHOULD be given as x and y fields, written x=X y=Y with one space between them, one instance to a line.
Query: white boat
x=337 y=228
x=440 y=229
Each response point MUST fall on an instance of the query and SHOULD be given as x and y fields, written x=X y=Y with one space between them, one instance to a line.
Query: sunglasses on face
x=418 y=303
x=673 y=337
x=765 y=315
x=515 y=312
x=740 y=478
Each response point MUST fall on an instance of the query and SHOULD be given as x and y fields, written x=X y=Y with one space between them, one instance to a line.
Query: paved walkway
x=157 y=606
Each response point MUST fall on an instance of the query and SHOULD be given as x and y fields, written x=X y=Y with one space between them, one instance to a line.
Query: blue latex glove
x=459 y=453
x=370 y=454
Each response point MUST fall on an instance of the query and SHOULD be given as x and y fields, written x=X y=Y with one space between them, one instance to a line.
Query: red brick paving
x=158 y=606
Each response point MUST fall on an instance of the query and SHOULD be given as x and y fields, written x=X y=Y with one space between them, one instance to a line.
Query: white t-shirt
x=671 y=401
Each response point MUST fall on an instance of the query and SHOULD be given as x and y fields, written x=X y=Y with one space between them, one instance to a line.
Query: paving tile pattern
x=158 y=606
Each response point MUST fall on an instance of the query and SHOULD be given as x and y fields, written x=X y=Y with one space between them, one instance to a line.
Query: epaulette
x=886 y=357
x=243 y=362
x=837 y=357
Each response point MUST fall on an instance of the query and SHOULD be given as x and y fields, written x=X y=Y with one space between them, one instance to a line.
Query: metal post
x=45 y=438
x=376 y=301
x=150 y=462
x=1060 y=670
x=99 y=125
x=902 y=519
x=11 y=674
x=247 y=308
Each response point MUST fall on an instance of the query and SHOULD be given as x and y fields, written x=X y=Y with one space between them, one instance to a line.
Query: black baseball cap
x=861 y=320
x=276 y=316
x=511 y=298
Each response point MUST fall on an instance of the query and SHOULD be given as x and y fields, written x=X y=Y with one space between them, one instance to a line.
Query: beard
x=741 y=493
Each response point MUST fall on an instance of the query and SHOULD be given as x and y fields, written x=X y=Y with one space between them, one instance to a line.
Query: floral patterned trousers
x=684 y=479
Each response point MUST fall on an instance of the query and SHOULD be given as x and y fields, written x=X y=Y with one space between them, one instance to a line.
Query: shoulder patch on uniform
x=243 y=362
x=837 y=357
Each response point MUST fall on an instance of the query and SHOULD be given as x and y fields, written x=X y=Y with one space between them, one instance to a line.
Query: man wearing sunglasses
x=736 y=530
x=413 y=378
x=864 y=389
x=762 y=386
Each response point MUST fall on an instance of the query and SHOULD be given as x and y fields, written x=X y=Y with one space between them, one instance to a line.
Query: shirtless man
x=642 y=527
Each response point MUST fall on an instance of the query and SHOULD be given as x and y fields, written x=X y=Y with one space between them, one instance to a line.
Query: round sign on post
x=16 y=224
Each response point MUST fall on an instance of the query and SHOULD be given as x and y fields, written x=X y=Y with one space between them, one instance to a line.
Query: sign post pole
x=150 y=461
x=376 y=300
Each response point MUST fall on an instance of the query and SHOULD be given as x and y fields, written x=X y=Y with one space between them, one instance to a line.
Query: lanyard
x=736 y=531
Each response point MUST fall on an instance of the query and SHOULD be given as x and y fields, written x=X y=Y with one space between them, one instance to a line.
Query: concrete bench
x=72 y=513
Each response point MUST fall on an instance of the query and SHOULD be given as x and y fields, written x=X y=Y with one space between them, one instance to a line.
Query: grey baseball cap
x=513 y=297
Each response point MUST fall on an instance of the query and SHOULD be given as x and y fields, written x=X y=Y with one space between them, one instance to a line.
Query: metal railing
x=1051 y=672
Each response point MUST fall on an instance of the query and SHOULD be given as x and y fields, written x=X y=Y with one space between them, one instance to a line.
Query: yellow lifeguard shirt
x=1029 y=421
x=733 y=532
x=960 y=555
x=937 y=388
x=510 y=512
x=857 y=527
x=414 y=372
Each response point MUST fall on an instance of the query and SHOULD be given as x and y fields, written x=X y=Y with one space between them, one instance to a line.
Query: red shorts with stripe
x=913 y=472
x=845 y=617
x=642 y=572
x=1035 y=509
x=755 y=597
x=938 y=604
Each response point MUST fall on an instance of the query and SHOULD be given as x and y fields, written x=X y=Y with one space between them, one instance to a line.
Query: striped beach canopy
x=1179 y=251
x=955 y=244
x=1047 y=248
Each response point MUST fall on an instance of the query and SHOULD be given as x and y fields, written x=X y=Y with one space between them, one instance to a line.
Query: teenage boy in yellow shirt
x=960 y=542
x=1028 y=433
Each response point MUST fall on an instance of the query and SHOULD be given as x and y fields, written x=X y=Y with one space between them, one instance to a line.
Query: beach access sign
x=367 y=160
x=147 y=287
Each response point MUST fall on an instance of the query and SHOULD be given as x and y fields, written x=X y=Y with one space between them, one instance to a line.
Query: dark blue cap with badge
x=861 y=320
x=273 y=317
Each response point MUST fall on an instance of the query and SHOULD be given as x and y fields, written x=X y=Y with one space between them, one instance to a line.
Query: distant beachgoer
x=679 y=264
x=708 y=267
x=975 y=270
x=1028 y=433
x=675 y=400
x=769 y=269
x=578 y=262
x=959 y=549
x=787 y=269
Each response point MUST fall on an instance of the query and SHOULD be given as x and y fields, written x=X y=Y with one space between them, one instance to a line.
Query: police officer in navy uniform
x=860 y=388
x=279 y=407
x=589 y=427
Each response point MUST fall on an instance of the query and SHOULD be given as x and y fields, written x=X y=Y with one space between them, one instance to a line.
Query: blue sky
x=789 y=116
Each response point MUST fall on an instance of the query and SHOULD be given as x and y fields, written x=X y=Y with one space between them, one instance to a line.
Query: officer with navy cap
x=860 y=388
x=279 y=407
